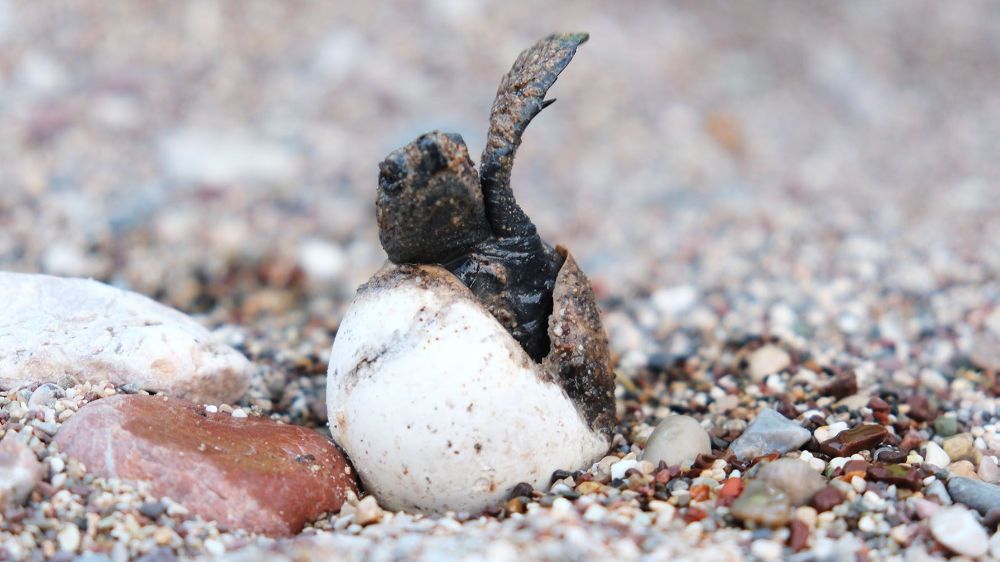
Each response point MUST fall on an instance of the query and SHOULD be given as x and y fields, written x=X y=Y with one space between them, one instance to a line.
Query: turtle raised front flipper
x=520 y=97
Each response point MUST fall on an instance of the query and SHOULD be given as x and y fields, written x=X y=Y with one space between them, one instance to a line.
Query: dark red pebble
x=842 y=386
x=878 y=405
x=826 y=499
x=798 y=536
x=856 y=466
x=694 y=514
x=921 y=409
x=890 y=455
x=853 y=440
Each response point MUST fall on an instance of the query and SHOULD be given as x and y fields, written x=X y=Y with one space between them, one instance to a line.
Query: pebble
x=20 y=470
x=765 y=549
x=842 y=386
x=946 y=426
x=957 y=529
x=937 y=489
x=988 y=470
x=934 y=455
x=45 y=395
x=978 y=495
x=368 y=511
x=619 y=469
x=71 y=330
x=853 y=440
x=961 y=447
x=986 y=353
x=896 y=474
x=963 y=468
x=768 y=360
x=68 y=538
x=827 y=432
x=249 y=473
x=921 y=408
x=794 y=477
x=770 y=432
x=826 y=499
x=677 y=440
x=762 y=504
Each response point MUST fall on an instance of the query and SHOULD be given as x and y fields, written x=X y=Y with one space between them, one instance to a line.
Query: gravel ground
x=815 y=177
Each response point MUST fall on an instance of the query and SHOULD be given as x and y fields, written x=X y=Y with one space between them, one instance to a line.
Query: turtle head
x=430 y=204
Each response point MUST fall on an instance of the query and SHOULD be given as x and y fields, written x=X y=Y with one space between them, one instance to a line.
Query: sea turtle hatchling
x=433 y=207
x=474 y=360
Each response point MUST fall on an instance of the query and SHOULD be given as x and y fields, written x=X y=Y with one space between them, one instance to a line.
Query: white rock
x=71 y=331
x=794 y=477
x=431 y=431
x=956 y=528
x=45 y=395
x=69 y=538
x=677 y=440
x=619 y=469
x=765 y=549
x=935 y=455
x=827 y=432
x=768 y=360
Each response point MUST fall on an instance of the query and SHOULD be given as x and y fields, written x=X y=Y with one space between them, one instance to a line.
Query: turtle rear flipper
x=520 y=97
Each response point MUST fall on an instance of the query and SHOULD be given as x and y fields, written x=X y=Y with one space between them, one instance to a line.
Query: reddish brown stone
x=878 y=405
x=250 y=473
x=826 y=499
x=842 y=386
x=855 y=467
x=798 y=537
x=921 y=408
x=856 y=439
x=694 y=514
x=730 y=490
x=912 y=440
x=890 y=455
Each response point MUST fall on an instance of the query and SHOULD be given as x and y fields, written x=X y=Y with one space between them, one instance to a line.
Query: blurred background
x=221 y=156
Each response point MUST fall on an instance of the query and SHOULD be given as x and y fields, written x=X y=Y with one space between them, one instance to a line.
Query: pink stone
x=250 y=473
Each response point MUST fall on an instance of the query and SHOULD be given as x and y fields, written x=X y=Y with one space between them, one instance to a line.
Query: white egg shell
x=437 y=406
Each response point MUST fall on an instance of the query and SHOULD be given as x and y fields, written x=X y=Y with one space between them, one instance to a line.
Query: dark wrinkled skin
x=433 y=208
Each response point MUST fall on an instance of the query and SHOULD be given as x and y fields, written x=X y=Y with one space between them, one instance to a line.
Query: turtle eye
x=390 y=175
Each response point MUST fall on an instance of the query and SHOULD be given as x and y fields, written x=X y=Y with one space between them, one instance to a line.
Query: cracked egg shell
x=439 y=407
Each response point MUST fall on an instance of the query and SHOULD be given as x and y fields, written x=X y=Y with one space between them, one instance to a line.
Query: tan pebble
x=163 y=535
x=961 y=447
x=859 y=484
x=368 y=511
x=900 y=534
x=963 y=468
x=806 y=514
